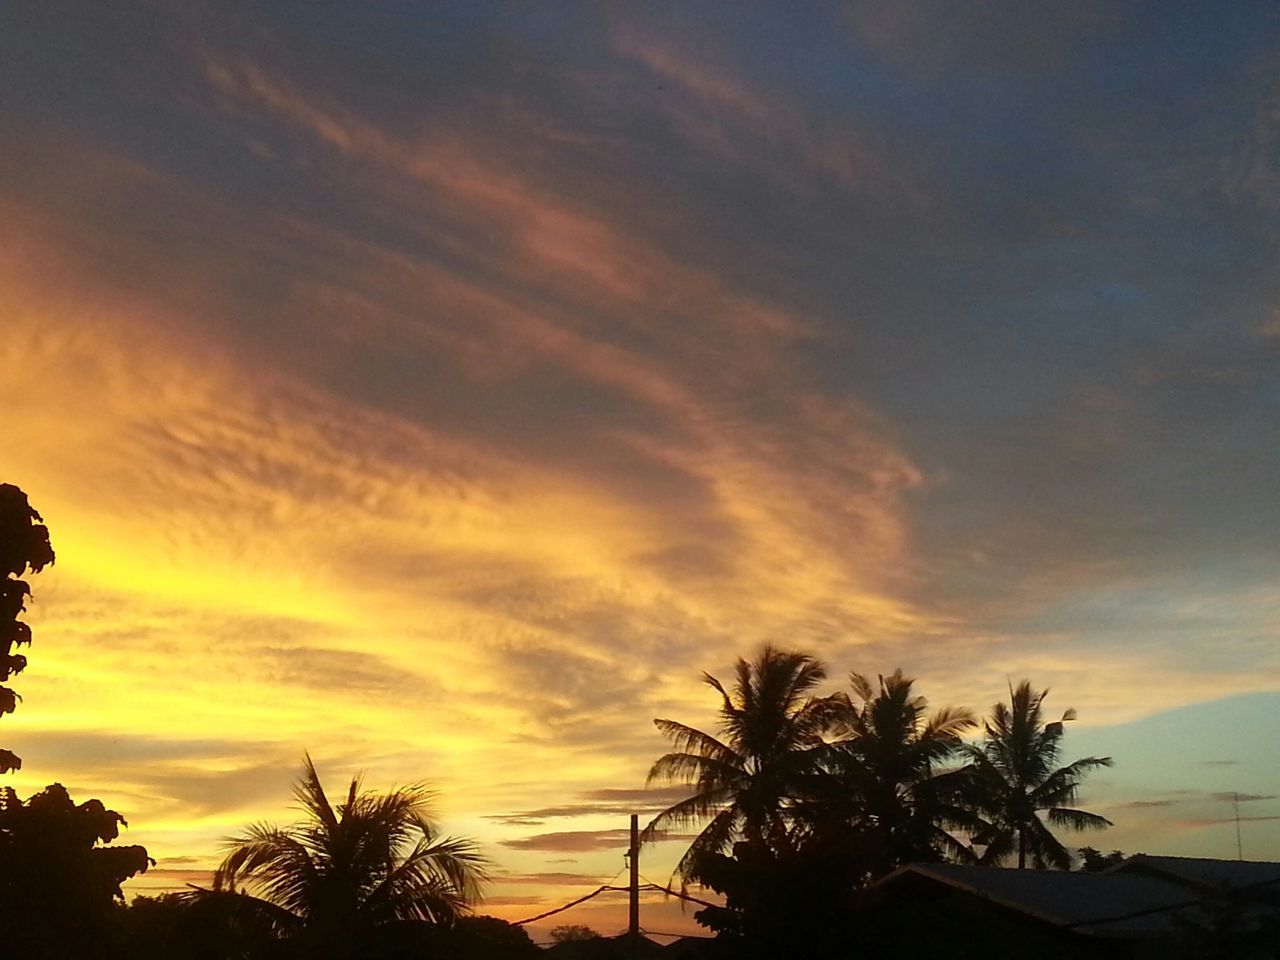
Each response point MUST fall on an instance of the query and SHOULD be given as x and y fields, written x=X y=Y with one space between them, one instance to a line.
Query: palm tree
x=745 y=783
x=887 y=781
x=1015 y=776
x=344 y=871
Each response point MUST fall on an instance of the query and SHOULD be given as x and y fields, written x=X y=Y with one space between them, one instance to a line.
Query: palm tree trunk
x=1022 y=848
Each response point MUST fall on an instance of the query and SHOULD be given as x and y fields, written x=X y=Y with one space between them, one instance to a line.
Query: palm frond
x=999 y=842
x=228 y=908
x=1077 y=819
x=436 y=882
x=688 y=739
x=694 y=769
x=1045 y=849
x=861 y=687
x=689 y=812
x=310 y=794
x=1062 y=785
x=716 y=838
x=273 y=863
x=366 y=863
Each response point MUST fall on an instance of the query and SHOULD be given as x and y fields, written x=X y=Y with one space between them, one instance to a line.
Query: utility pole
x=633 y=925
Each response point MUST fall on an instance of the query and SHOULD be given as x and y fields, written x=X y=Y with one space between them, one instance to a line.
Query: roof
x=1232 y=874
x=1097 y=904
x=686 y=947
x=605 y=948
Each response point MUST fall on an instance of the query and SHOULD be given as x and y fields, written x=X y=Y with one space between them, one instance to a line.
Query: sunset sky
x=440 y=388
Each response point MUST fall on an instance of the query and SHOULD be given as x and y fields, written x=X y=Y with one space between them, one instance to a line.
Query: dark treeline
x=24 y=546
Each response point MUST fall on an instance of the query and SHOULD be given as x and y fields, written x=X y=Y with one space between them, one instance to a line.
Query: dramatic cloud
x=552 y=879
x=605 y=802
x=572 y=840
x=443 y=398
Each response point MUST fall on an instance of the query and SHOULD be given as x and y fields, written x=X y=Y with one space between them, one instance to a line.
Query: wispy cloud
x=1227 y=796
x=605 y=802
x=725 y=114
x=1199 y=822
x=551 y=879
x=1145 y=804
x=572 y=840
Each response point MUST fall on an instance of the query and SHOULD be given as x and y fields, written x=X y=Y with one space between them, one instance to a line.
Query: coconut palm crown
x=343 y=870
x=1016 y=776
x=889 y=775
x=745 y=782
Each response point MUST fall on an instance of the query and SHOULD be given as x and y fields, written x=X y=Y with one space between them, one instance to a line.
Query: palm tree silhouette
x=746 y=783
x=886 y=779
x=1015 y=776
x=344 y=871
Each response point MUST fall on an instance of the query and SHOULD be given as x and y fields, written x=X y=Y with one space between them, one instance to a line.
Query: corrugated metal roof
x=1105 y=904
x=1233 y=874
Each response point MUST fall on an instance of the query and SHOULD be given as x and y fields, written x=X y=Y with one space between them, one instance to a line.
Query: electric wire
x=603 y=888
x=678 y=893
x=681 y=936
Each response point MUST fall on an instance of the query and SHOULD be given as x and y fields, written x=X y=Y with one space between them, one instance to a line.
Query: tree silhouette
x=1095 y=861
x=345 y=872
x=1015 y=777
x=59 y=877
x=886 y=777
x=746 y=784
x=24 y=545
x=485 y=938
x=572 y=933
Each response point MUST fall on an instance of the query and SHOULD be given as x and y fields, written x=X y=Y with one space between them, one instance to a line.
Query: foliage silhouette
x=485 y=938
x=59 y=877
x=338 y=879
x=886 y=778
x=24 y=545
x=178 y=925
x=746 y=784
x=572 y=932
x=778 y=902
x=1015 y=776
x=1095 y=861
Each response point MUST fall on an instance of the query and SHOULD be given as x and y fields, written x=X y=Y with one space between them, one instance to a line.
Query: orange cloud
x=243 y=550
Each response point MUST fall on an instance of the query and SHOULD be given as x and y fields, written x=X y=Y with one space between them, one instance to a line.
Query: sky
x=440 y=389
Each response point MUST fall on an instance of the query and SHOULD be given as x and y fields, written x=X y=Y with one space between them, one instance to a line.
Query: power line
x=572 y=903
x=682 y=936
x=634 y=888
x=607 y=888
x=650 y=885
